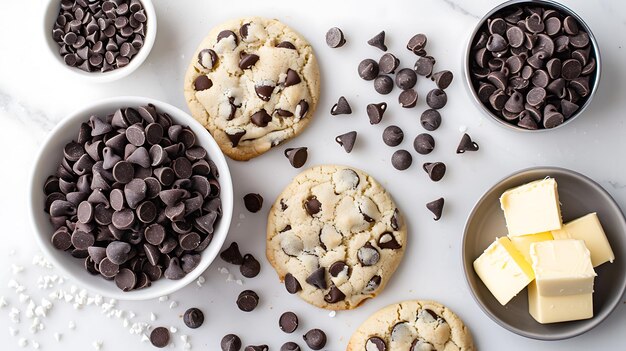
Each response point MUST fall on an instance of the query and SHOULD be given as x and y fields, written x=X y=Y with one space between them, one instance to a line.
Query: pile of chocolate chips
x=134 y=197
x=100 y=36
x=532 y=66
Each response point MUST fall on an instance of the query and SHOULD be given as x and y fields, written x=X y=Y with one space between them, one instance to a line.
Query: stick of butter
x=588 y=229
x=554 y=309
x=504 y=270
x=532 y=208
x=562 y=267
x=522 y=243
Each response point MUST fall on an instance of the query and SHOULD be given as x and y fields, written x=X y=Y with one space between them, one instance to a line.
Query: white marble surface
x=34 y=95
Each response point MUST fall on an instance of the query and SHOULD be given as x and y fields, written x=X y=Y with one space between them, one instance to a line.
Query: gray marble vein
x=33 y=119
x=458 y=8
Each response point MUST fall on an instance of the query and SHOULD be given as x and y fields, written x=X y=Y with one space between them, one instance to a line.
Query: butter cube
x=522 y=243
x=588 y=229
x=532 y=208
x=562 y=267
x=504 y=270
x=554 y=309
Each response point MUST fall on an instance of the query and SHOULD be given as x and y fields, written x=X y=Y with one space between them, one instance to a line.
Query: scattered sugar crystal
x=131 y=314
x=16 y=269
x=153 y=317
x=187 y=346
x=200 y=282
x=173 y=330
x=22 y=342
x=35 y=345
x=164 y=298
x=13 y=331
x=173 y=304
x=97 y=345
x=71 y=325
x=24 y=298
x=14 y=315
x=40 y=311
x=125 y=323
x=3 y=302
x=57 y=336
x=184 y=337
x=462 y=129
x=332 y=314
x=223 y=270
x=144 y=338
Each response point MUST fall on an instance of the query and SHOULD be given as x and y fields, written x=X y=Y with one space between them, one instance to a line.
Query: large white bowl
x=50 y=14
x=47 y=161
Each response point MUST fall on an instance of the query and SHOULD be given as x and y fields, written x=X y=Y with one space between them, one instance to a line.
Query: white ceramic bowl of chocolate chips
x=131 y=198
x=99 y=41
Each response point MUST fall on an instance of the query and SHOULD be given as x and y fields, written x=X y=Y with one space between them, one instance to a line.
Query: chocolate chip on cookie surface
x=335 y=237
x=253 y=83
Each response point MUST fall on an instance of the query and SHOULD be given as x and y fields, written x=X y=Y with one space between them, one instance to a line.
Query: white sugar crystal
x=200 y=282
x=97 y=300
x=242 y=216
x=73 y=289
x=40 y=261
x=12 y=252
x=30 y=310
x=223 y=270
x=22 y=342
x=14 y=315
x=40 y=311
x=173 y=304
x=125 y=323
x=16 y=269
x=35 y=345
x=153 y=317
x=173 y=330
x=3 y=302
x=462 y=129
x=24 y=298
x=144 y=338
x=71 y=325
x=13 y=331
x=46 y=304
x=97 y=345
x=184 y=337
x=332 y=314
x=57 y=336
x=187 y=346
x=164 y=298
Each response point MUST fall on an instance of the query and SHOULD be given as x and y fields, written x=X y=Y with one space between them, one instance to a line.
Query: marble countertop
x=35 y=95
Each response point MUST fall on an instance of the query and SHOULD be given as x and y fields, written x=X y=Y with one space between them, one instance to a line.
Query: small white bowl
x=50 y=14
x=47 y=161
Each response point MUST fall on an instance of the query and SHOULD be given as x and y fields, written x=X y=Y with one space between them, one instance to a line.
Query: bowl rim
x=596 y=319
x=219 y=237
x=468 y=48
x=50 y=13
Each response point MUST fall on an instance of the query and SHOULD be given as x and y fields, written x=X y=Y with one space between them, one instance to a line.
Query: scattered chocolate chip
x=406 y=78
x=393 y=136
x=290 y=346
x=401 y=160
x=375 y=112
x=368 y=69
x=335 y=38
x=256 y=348
x=424 y=65
x=388 y=63
x=297 y=156
x=442 y=79
x=383 y=84
x=378 y=41
x=417 y=43
x=436 y=207
x=347 y=140
x=160 y=337
x=253 y=202
x=247 y=300
x=436 y=99
x=193 y=318
x=435 y=170
x=342 y=107
x=466 y=144
x=315 y=339
x=424 y=144
x=232 y=255
x=408 y=98
x=250 y=267
x=430 y=119
x=292 y=284
x=230 y=342
x=288 y=322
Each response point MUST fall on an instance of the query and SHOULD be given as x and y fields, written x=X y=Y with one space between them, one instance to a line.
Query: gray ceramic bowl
x=579 y=195
x=542 y=3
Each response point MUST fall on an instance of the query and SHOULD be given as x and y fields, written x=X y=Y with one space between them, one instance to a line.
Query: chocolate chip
x=317 y=278
x=568 y=108
x=388 y=241
x=368 y=255
x=424 y=144
x=342 y=107
x=253 y=202
x=61 y=240
x=261 y=118
x=193 y=318
x=334 y=295
x=375 y=112
x=125 y=279
x=436 y=99
x=248 y=60
x=442 y=79
x=430 y=119
x=264 y=91
x=174 y=271
x=436 y=207
x=408 y=98
x=290 y=346
x=393 y=136
x=202 y=83
x=297 y=156
x=286 y=45
x=375 y=343
x=230 y=342
x=250 y=267
x=207 y=58
x=466 y=144
x=378 y=41
x=368 y=69
x=235 y=137
x=417 y=43
x=435 y=170
x=288 y=322
x=292 y=284
x=388 y=63
x=401 y=160
x=424 y=65
x=292 y=78
x=315 y=339
x=226 y=34
x=335 y=38
x=160 y=337
x=383 y=84
x=256 y=348
x=247 y=300
x=312 y=205
x=406 y=78
x=347 y=140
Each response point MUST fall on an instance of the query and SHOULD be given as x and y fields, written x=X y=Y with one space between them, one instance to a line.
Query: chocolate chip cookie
x=412 y=325
x=253 y=83
x=335 y=237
